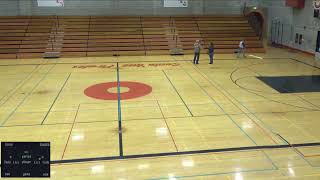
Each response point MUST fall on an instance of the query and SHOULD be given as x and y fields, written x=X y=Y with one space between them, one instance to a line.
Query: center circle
x=115 y=90
x=109 y=90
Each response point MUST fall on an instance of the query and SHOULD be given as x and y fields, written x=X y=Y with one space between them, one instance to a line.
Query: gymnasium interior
x=108 y=89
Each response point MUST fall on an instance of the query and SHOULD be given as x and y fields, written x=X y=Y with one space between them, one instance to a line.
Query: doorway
x=318 y=42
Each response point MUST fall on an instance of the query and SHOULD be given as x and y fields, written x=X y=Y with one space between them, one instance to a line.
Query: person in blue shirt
x=211 y=52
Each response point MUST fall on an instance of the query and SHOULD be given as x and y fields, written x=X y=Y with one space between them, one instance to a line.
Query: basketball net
x=316 y=4
x=61 y=3
x=184 y=3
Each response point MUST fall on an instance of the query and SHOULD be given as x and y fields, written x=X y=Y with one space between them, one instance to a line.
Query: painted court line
x=113 y=62
x=304 y=63
x=212 y=82
x=142 y=119
x=118 y=61
x=254 y=114
x=17 y=85
x=119 y=113
x=234 y=149
x=12 y=91
x=177 y=92
x=225 y=113
x=214 y=174
x=74 y=120
x=216 y=103
x=164 y=118
x=257 y=94
x=25 y=97
x=64 y=84
x=295 y=149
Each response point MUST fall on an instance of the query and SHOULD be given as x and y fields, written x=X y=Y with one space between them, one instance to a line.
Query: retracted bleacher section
x=24 y=37
x=102 y=36
x=80 y=36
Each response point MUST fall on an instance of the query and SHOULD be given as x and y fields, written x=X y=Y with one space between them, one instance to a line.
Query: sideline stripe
x=119 y=113
x=234 y=149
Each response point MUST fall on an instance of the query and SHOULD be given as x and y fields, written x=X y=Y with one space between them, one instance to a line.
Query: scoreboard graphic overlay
x=25 y=159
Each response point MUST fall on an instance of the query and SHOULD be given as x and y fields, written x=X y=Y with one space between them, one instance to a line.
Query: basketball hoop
x=60 y=2
x=316 y=4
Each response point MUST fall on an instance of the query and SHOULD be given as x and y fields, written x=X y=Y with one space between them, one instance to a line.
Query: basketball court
x=162 y=117
x=108 y=89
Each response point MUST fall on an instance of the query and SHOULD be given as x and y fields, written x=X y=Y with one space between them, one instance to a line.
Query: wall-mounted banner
x=316 y=4
x=50 y=3
x=175 y=3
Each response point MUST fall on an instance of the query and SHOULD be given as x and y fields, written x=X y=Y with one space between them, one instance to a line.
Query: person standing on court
x=242 y=48
x=197 y=48
x=211 y=52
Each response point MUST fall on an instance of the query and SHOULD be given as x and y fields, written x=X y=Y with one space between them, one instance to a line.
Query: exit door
x=318 y=42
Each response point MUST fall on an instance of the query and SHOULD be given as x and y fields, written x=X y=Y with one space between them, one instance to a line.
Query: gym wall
x=124 y=7
x=295 y=20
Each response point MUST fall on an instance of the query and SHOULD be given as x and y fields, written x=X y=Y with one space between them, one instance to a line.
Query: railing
x=175 y=50
x=244 y=9
x=276 y=32
x=282 y=34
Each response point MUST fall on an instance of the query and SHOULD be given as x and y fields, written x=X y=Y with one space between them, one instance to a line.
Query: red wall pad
x=295 y=3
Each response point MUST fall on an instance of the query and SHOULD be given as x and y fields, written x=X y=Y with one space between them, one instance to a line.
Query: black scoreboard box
x=25 y=159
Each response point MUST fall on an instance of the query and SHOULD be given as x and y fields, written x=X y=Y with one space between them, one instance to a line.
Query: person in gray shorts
x=197 y=48
x=242 y=49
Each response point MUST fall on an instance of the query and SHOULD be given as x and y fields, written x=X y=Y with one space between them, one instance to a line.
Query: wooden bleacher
x=76 y=36
x=24 y=37
x=224 y=32
x=155 y=35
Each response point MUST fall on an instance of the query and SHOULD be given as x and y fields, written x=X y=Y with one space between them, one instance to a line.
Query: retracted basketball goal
x=316 y=4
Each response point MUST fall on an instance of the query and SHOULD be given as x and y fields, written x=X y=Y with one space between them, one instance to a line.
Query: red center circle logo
x=100 y=91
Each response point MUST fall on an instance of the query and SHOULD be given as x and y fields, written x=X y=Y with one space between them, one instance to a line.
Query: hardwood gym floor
x=199 y=122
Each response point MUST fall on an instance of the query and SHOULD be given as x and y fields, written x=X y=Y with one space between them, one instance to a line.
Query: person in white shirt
x=242 y=48
x=197 y=48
